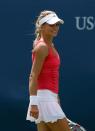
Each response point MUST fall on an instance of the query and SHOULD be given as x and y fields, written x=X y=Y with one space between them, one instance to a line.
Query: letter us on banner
x=85 y=23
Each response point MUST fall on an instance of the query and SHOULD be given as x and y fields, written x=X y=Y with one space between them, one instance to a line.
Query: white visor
x=51 y=19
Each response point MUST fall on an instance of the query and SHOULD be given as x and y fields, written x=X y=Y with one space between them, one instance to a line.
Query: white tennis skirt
x=49 y=109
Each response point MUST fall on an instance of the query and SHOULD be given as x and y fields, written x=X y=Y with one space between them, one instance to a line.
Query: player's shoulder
x=41 y=48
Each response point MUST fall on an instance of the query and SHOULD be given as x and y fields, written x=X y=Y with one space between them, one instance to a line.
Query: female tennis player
x=44 y=108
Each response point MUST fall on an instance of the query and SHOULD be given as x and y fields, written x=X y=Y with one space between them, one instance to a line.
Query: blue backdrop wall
x=76 y=46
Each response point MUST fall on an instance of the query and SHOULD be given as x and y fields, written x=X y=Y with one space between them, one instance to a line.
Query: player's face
x=51 y=30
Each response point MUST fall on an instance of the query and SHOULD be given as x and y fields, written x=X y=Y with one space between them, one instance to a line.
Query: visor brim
x=54 y=20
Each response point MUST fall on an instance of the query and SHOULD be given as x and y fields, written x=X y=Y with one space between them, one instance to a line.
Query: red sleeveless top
x=49 y=75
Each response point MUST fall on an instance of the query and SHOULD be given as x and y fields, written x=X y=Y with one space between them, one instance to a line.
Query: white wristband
x=33 y=100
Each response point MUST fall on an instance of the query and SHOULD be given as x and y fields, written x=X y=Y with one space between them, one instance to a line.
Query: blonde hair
x=37 y=26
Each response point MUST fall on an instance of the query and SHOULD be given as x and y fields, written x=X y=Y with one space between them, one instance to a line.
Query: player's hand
x=34 y=112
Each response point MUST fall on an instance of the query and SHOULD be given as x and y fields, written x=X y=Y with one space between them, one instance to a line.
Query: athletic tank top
x=49 y=75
